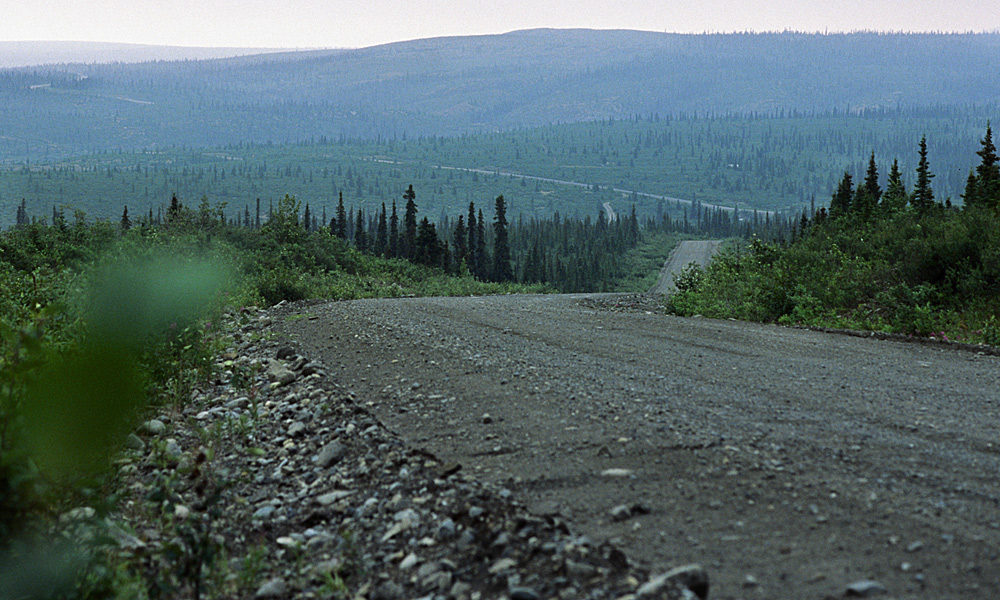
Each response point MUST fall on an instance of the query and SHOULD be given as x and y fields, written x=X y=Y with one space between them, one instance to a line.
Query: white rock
x=616 y=473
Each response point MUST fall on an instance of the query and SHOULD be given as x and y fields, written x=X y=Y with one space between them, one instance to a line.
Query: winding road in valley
x=789 y=463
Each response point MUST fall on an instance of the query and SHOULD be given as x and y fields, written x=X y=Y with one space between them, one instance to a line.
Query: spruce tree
x=871 y=179
x=868 y=193
x=923 y=196
x=633 y=228
x=840 y=204
x=473 y=247
x=481 y=257
x=409 y=224
x=394 y=233
x=307 y=219
x=22 y=215
x=983 y=187
x=360 y=238
x=461 y=238
x=427 y=248
x=175 y=209
x=339 y=225
x=382 y=233
x=502 y=268
x=894 y=198
x=126 y=223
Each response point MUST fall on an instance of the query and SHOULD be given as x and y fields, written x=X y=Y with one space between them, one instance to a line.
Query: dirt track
x=692 y=251
x=789 y=463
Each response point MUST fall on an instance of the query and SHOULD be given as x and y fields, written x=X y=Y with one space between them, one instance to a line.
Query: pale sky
x=359 y=23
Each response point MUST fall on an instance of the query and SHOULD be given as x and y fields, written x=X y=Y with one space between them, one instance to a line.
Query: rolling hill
x=36 y=53
x=449 y=86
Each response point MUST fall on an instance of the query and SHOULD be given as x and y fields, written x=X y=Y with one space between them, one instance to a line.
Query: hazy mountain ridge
x=38 y=53
x=445 y=86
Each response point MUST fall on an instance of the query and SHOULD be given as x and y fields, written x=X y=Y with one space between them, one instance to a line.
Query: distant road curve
x=691 y=251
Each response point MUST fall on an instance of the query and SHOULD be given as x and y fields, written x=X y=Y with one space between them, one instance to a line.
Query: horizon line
x=300 y=48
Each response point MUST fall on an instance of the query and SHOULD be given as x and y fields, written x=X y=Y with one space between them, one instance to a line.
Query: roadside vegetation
x=100 y=319
x=884 y=260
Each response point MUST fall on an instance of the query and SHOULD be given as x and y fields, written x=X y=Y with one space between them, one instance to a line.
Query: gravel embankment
x=289 y=475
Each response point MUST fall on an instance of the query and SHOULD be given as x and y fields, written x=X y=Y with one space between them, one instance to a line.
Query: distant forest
x=786 y=162
x=449 y=86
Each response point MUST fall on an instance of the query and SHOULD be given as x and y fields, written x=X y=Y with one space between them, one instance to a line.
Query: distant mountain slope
x=446 y=86
x=26 y=54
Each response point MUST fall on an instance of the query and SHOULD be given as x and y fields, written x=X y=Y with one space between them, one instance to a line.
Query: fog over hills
x=445 y=86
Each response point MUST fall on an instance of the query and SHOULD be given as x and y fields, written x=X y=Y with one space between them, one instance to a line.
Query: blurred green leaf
x=129 y=301
x=78 y=409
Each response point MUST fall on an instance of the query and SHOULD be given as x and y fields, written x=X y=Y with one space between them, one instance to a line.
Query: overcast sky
x=358 y=23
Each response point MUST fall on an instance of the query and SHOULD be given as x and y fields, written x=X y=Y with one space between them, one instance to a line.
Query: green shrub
x=924 y=275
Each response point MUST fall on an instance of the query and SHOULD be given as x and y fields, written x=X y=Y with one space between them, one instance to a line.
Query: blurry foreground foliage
x=96 y=322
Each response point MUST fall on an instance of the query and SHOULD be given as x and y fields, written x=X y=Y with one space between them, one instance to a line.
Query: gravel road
x=691 y=251
x=789 y=463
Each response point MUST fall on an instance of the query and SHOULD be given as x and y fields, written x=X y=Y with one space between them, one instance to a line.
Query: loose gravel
x=300 y=491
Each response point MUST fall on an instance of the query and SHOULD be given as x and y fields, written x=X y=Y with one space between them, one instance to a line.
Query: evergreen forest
x=782 y=162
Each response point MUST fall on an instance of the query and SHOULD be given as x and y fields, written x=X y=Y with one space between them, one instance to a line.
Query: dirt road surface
x=789 y=463
x=691 y=251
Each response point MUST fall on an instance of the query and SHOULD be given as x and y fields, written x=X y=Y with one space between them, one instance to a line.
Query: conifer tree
x=923 y=196
x=175 y=209
x=502 y=268
x=126 y=223
x=868 y=193
x=409 y=224
x=307 y=219
x=339 y=224
x=461 y=238
x=871 y=179
x=474 y=256
x=894 y=198
x=427 y=249
x=22 y=215
x=382 y=233
x=983 y=186
x=394 y=233
x=481 y=256
x=840 y=204
x=633 y=228
x=360 y=238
